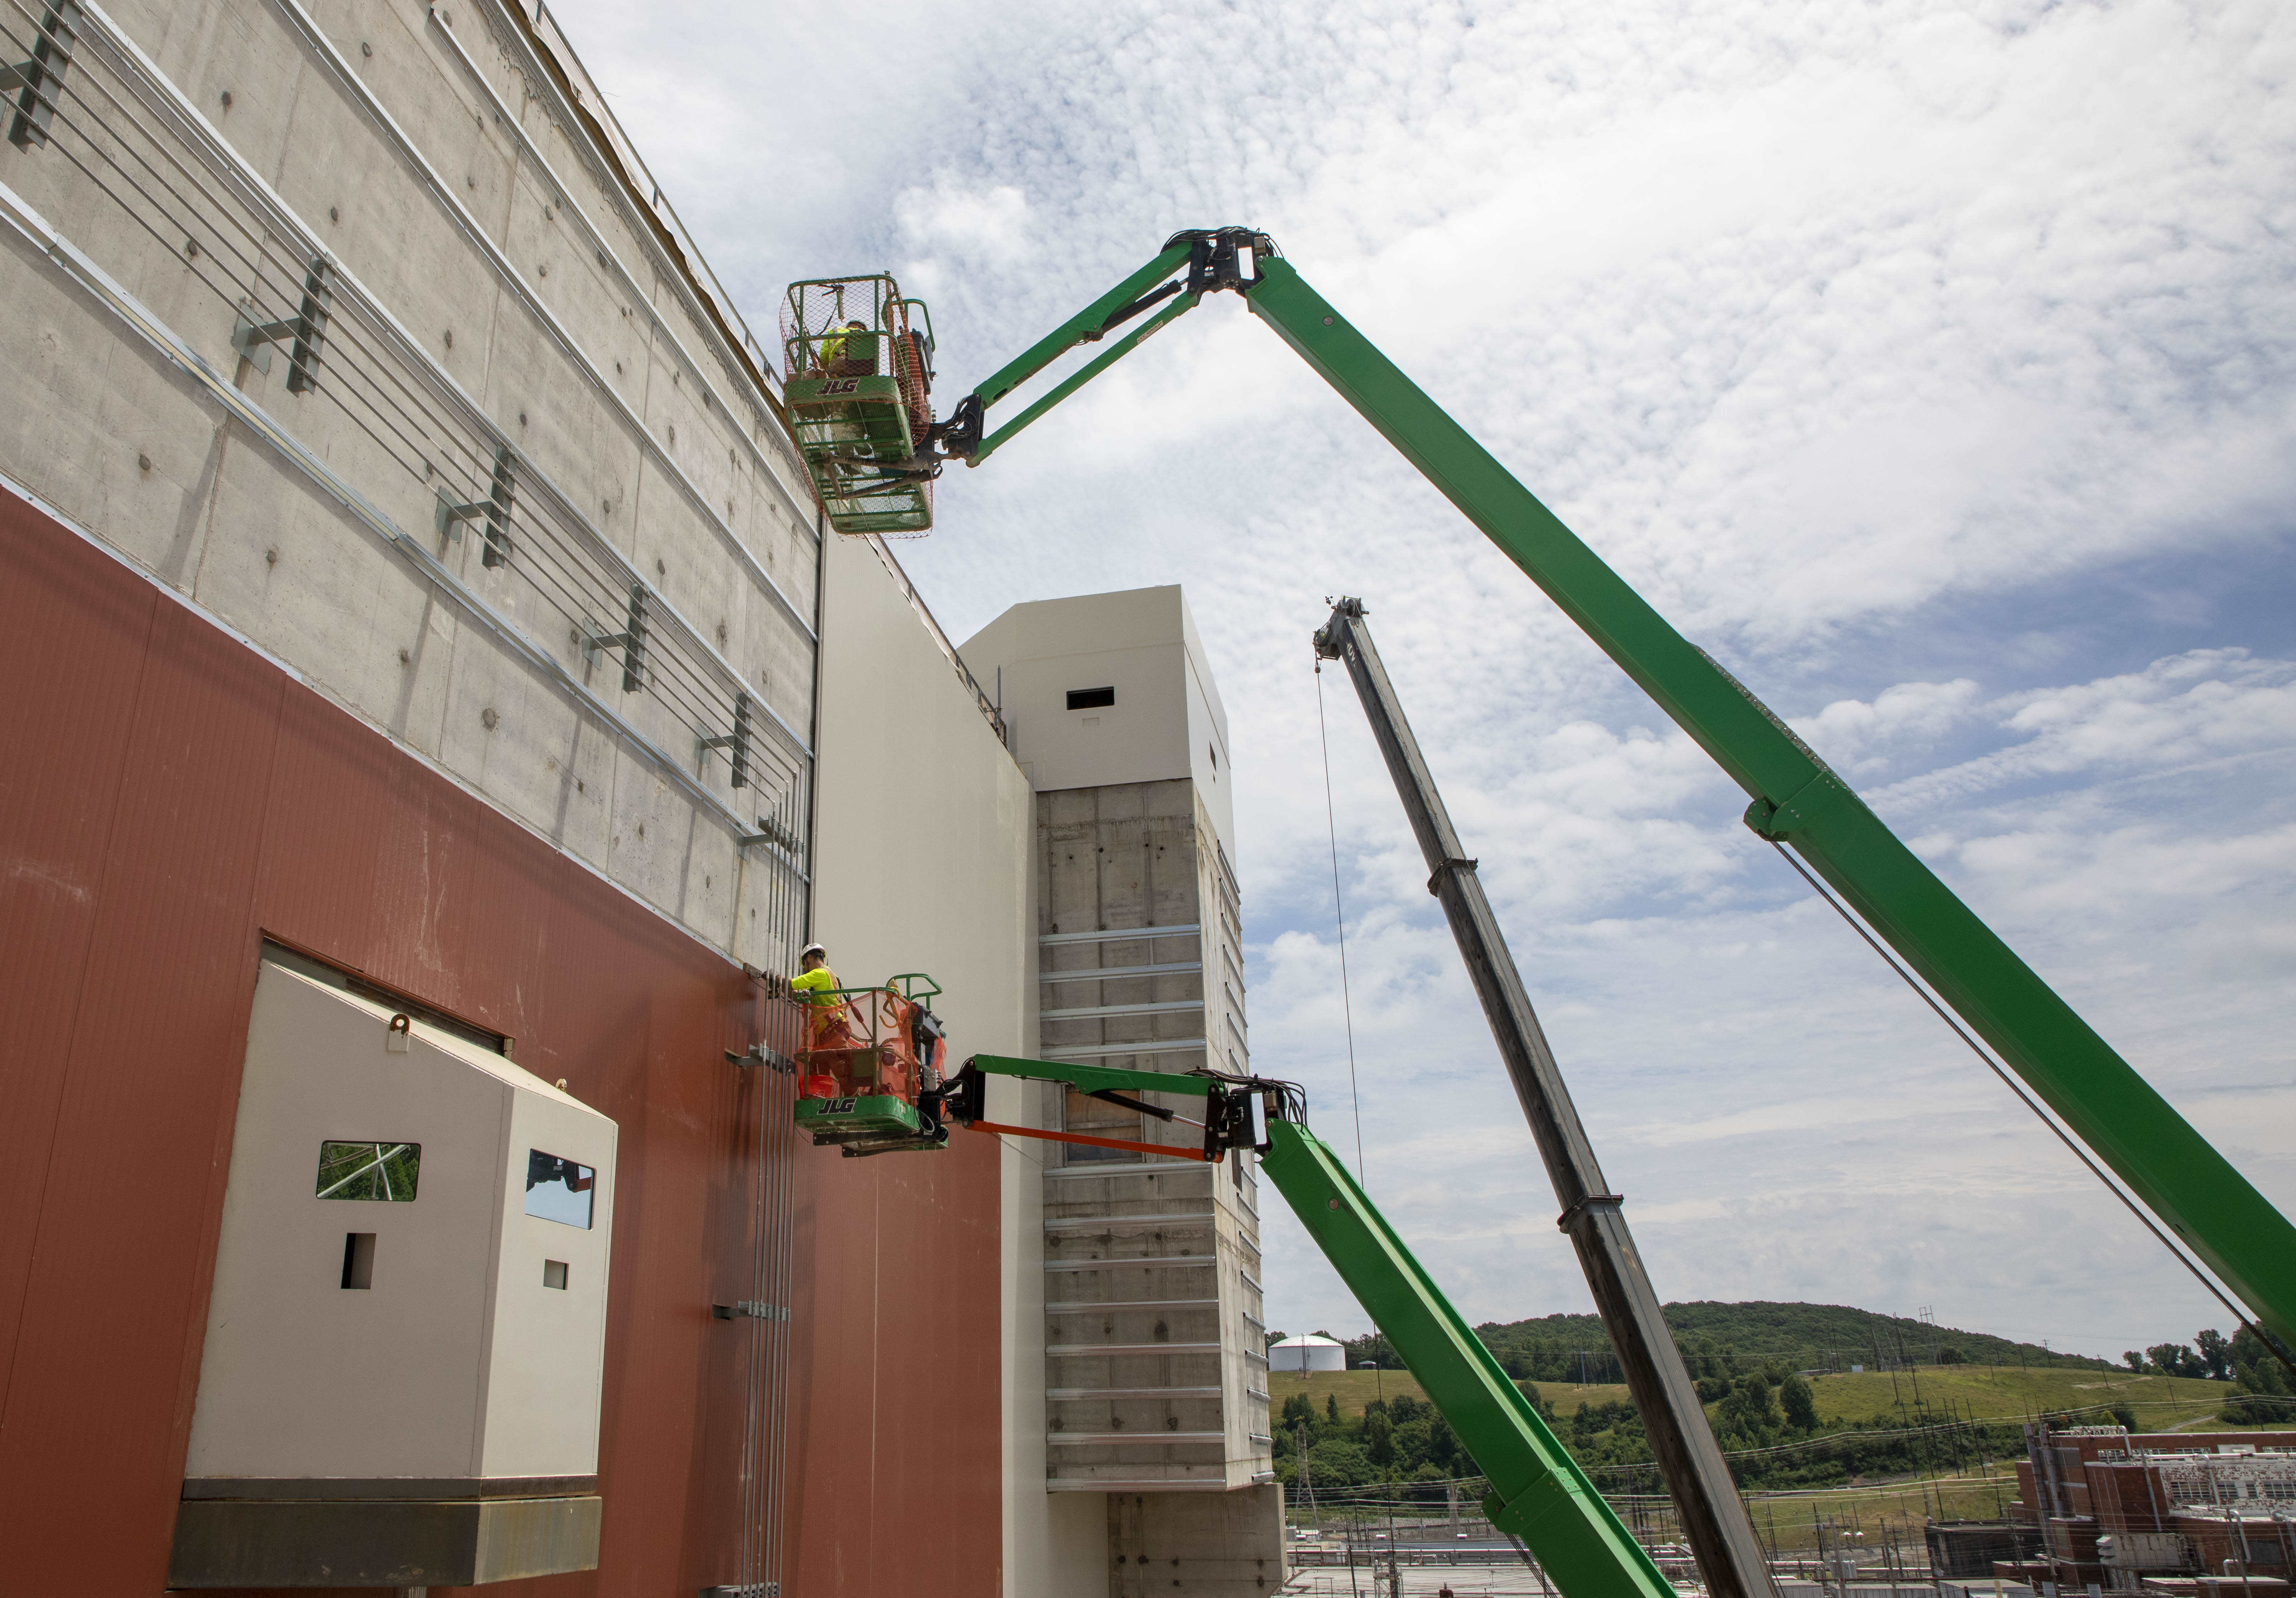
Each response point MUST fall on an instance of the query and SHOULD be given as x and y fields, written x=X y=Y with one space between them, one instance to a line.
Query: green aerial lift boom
x=1796 y=799
x=1538 y=1491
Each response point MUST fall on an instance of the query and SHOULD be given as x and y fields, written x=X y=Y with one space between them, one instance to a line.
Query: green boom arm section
x=1797 y=799
x=1538 y=1493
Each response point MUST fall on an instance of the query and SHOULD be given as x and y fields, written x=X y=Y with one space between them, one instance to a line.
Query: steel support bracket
x=450 y=517
x=750 y=1309
x=303 y=334
x=254 y=339
x=35 y=82
x=496 y=508
x=631 y=641
x=759 y=1054
x=770 y=832
x=737 y=740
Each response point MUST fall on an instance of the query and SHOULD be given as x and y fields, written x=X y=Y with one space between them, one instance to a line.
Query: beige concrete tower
x=1155 y=1364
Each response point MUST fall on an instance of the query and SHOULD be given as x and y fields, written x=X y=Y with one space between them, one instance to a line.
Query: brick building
x=2173 y=1511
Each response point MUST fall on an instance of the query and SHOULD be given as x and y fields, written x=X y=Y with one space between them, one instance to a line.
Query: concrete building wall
x=505 y=328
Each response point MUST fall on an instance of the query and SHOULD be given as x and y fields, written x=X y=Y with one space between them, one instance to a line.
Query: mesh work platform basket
x=858 y=382
x=870 y=1057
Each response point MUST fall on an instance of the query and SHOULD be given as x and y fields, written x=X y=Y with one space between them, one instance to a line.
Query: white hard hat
x=810 y=949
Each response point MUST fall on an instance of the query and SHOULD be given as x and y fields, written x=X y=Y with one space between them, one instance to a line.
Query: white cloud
x=2205 y=704
x=948 y=223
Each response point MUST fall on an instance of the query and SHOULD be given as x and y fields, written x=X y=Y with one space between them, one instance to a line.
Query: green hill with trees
x=1735 y=1336
x=1799 y=1396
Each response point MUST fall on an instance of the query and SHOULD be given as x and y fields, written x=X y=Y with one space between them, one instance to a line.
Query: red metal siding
x=167 y=796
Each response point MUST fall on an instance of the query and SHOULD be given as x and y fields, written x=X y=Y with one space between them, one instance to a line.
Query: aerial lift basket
x=869 y=1074
x=858 y=377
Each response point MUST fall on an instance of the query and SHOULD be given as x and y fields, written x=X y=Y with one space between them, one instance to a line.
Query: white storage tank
x=1309 y=1353
x=406 y=1332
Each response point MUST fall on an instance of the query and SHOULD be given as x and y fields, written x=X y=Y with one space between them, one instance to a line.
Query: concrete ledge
x=369 y=1543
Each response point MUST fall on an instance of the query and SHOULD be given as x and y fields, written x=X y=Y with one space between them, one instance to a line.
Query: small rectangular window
x=1091 y=698
x=358 y=1259
x=554 y=1274
x=559 y=1189
x=384 y=1172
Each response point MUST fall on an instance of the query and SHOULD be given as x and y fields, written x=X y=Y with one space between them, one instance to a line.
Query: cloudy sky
x=1930 y=366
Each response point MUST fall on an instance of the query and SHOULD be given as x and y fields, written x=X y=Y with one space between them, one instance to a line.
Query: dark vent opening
x=1091 y=698
x=358 y=1260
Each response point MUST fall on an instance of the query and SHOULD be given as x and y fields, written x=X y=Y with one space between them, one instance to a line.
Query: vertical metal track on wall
x=787 y=926
x=769 y=1095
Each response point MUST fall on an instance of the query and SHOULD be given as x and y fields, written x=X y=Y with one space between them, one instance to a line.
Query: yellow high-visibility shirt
x=813 y=987
x=832 y=349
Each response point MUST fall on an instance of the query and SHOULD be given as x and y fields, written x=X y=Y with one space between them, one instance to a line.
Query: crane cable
x=1338 y=915
x=2027 y=1099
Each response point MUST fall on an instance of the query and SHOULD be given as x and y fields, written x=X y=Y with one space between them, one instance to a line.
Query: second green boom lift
x=1538 y=1493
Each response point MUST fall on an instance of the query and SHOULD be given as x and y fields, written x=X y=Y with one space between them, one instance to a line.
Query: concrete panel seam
x=171 y=592
x=322 y=48
x=94 y=280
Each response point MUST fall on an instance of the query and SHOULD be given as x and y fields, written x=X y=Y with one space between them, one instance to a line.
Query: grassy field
x=1982 y=1393
x=2007 y=1393
x=1788 y=1521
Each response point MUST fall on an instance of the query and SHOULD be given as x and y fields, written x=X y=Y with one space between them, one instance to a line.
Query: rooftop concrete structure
x=1166 y=720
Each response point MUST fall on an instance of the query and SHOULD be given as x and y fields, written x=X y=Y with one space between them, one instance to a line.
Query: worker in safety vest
x=818 y=984
x=833 y=344
x=825 y=1029
x=847 y=430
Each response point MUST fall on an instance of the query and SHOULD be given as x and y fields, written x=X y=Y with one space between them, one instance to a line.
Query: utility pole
x=1714 y=1518
x=1306 y=1481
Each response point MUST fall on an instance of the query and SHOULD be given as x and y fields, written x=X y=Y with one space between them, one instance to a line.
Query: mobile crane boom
x=1713 y=1517
x=1795 y=798
x=1538 y=1491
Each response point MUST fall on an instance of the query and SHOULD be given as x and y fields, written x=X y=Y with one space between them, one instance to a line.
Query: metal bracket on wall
x=759 y=1054
x=748 y=1309
x=496 y=508
x=631 y=641
x=35 y=82
x=738 y=741
x=303 y=332
x=771 y=831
